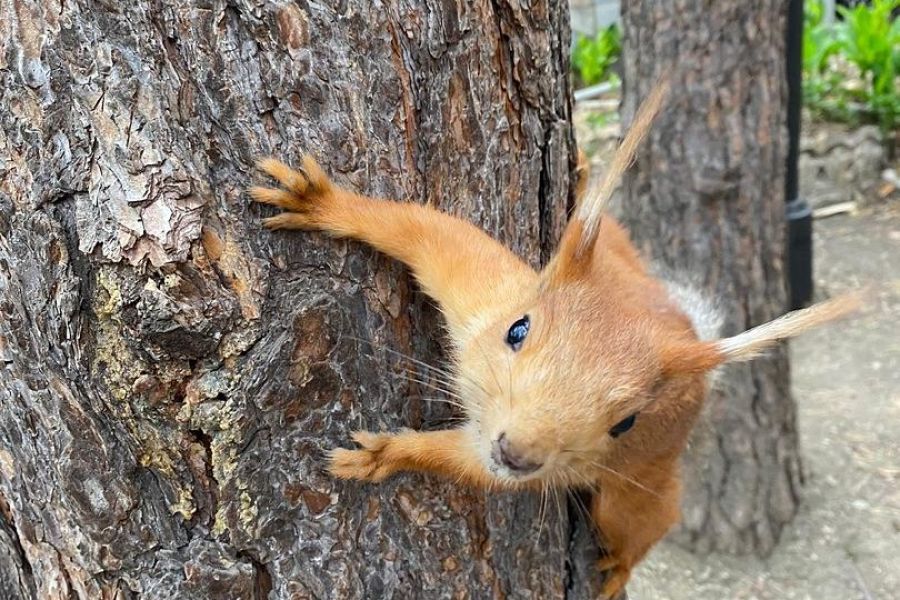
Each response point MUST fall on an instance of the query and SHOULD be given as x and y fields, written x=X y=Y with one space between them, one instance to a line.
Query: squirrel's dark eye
x=517 y=332
x=622 y=426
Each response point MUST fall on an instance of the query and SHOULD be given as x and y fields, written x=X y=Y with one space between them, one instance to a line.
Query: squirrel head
x=561 y=384
x=577 y=377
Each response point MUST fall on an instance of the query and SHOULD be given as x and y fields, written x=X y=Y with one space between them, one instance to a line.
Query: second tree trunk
x=706 y=202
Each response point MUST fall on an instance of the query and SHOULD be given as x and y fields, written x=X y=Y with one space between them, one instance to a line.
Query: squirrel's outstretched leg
x=452 y=454
x=457 y=264
x=631 y=520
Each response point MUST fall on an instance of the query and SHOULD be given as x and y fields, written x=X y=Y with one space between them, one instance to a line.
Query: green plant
x=593 y=57
x=821 y=83
x=819 y=40
x=870 y=39
x=867 y=37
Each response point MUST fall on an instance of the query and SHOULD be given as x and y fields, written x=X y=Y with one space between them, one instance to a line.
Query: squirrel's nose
x=505 y=454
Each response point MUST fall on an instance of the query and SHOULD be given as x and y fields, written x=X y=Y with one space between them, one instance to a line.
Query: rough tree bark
x=171 y=374
x=706 y=200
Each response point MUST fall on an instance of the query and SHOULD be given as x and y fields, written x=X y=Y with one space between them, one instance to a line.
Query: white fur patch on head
x=704 y=313
x=705 y=316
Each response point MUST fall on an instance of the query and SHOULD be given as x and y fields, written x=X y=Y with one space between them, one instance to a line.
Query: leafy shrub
x=867 y=37
x=593 y=57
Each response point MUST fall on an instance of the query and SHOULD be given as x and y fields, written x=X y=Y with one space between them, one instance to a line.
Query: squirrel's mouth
x=505 y=456
x=512 y=468
x=507 y=474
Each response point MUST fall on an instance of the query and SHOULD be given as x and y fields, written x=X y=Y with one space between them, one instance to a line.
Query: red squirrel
x=586 y=374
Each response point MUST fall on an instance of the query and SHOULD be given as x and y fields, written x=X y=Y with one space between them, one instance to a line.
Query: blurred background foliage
x=594 y=57
x=852 y=63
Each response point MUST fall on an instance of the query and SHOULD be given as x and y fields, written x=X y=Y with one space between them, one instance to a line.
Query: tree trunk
x=706 y=200
x=171 y=375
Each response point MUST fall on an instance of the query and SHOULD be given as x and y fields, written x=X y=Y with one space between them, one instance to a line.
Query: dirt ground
x=845 y=542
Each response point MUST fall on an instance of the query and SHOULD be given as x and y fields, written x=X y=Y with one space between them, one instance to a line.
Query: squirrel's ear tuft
x=752 y=343
x=698 y=357
x=573 y=257
x=568 y=264
x=684 y=358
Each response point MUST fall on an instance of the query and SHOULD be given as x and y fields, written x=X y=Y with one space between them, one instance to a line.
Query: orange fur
x=606 y=341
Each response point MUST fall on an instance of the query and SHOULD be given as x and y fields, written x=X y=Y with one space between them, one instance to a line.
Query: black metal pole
x=799 y=214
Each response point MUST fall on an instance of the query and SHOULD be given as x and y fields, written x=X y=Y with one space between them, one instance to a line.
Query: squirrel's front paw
x=373 y=462
x=306 y=196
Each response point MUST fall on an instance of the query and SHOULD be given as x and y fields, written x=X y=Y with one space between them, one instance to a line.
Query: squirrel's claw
x=308 y=180
x=371 y=463
x=306 y=194
x=273 y=196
